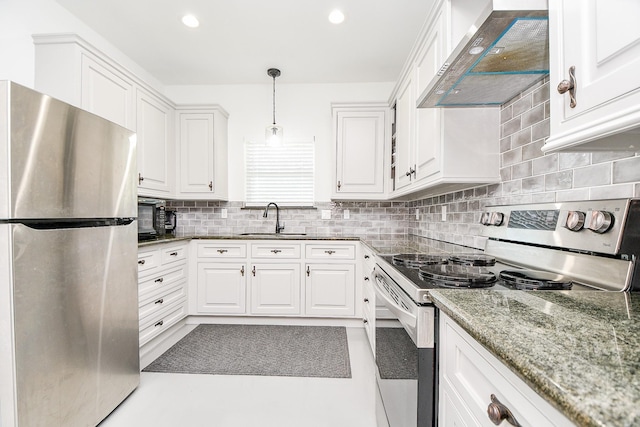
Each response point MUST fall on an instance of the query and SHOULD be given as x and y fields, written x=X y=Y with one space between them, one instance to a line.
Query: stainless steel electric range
x=570 y=246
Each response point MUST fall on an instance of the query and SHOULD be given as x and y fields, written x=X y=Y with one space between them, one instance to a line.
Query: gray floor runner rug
x=293 y=351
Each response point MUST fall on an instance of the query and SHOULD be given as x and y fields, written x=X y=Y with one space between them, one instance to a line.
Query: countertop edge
x=167 y=240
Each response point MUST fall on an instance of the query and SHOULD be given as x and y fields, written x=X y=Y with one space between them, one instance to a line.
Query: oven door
x=406 y=372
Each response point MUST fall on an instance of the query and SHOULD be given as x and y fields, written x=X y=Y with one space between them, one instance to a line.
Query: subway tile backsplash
x=528 y=176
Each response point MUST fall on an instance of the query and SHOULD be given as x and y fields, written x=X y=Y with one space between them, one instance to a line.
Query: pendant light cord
x=274 y=99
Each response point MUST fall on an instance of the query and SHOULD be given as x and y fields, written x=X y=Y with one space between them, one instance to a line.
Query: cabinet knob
x=339 y=185
x=365 y=321
x=366 y=278
x=160 y=301
x=173 y=254
x=141 y=262
x=140 y=178
x=366 y=300
x=498 y=412
x=366 y=257
x=210 y=185
x=242 y=271
x=160 y=323
x=253 y=271
x=570 y=86
x=160 y=280
x=308 y=271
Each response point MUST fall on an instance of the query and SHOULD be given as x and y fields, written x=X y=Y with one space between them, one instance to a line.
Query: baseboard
x=256 y=320
x=163 y=342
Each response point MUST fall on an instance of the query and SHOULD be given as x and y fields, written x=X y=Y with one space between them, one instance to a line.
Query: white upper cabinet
x=156 y=144
x=434 y=149
x=107 y=93
x=360 y=132
x=600 y=40
x=202 y=136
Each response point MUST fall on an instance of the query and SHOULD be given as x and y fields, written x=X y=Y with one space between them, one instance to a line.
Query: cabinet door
x=107 y=93
x=154 y=127
x=405 y=108
x=428 y=120
x=601 y=39
x=330 y=289
x=222 y=288
x=275 y=289
x=196 y=153
x=360 y=137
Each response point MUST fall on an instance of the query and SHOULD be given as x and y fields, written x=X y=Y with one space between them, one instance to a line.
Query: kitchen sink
x=273 y=234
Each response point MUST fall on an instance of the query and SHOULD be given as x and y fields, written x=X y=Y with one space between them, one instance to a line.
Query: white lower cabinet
x=330 y=290
x=274 y=278
x=222 y=288
x=162 y=288
x=469 y=377
x=275 y=288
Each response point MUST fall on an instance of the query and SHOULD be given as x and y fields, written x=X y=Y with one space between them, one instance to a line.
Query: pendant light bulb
x=273 y=133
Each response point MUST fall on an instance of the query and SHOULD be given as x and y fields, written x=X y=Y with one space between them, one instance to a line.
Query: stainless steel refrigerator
x=68 y=253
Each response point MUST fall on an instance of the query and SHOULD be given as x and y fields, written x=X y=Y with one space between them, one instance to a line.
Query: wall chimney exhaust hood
x=503 y=53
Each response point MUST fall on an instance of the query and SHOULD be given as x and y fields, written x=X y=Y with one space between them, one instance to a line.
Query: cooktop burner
x=458 y=276
x=418 y=260
x=535 y=280
x=477 y=260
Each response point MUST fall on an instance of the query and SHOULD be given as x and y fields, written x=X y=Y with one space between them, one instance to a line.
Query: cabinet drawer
x=326 y=252
x=474 y=374
x=161 y=280
x=172 y=254
x=275 y=250
x=148 y=261
x=165 y=299
x=155 y=325
x=222 y=250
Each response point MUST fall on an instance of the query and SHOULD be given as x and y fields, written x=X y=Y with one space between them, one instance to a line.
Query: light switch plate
x=444 y=213
x=417 y=214
x=326 y=214
x=223 y=213
x=346 y=214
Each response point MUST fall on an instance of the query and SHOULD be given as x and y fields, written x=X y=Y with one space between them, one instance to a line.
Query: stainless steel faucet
x=266 y=212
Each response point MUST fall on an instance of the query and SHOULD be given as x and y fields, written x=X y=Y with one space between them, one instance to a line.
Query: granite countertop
x=257 y=236
x=580 y=350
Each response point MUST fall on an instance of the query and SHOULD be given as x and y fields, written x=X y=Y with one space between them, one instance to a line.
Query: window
x=282 y=174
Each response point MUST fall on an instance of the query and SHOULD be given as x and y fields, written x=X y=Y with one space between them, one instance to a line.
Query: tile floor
x=171 y=400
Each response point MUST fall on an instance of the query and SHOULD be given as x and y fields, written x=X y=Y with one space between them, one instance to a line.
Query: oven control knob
x=485 y=218
x=601 y=221
x=497 y=218
x=575 y=220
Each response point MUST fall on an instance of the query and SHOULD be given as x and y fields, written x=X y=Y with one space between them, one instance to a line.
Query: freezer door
x=66 y=162
x=76 y=322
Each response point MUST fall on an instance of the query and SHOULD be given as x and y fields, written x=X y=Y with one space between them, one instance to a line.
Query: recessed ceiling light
x=336 y=17
x=190 y=21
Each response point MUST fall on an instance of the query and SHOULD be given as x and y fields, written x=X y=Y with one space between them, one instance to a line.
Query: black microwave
x=151 y=214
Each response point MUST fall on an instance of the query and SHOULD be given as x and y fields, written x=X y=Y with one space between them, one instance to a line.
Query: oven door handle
x=403 y=315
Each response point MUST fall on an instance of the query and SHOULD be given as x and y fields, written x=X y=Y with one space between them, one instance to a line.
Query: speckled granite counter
x=578 y=349
x=256 y=236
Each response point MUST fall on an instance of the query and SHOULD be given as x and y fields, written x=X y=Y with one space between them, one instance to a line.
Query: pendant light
x=273 y=134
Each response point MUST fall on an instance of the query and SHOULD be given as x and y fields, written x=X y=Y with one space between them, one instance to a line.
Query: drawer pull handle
x=569 y=86
x=242 y=271
x=253 y=271
x=141 y=262
x=366 y=278
x=221 y=251
x=498 y=412
x=366 y=257
x=366 y=300
x=276 y=251
x=330 y=252
x=140 y=178
x=160 y=280
x=160 y=323
x=173 y=254
x=308 y=271
x=210 y=185
x=160 y=301
x=365 y=321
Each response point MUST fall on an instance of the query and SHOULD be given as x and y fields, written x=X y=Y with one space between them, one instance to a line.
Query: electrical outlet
x=223 y=213
x=417 y=214
x=326 y=214
x=444 y=213
x=346 y=214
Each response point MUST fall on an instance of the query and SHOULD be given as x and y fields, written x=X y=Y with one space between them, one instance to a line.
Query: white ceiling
x=239 y=39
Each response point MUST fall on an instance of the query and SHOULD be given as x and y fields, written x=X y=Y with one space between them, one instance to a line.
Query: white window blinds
x=282 y=174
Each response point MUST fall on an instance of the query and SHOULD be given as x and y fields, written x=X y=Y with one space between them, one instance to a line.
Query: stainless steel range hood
x=503 y=53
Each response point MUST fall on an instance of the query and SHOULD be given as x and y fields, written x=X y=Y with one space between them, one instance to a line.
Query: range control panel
x=589 y=226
